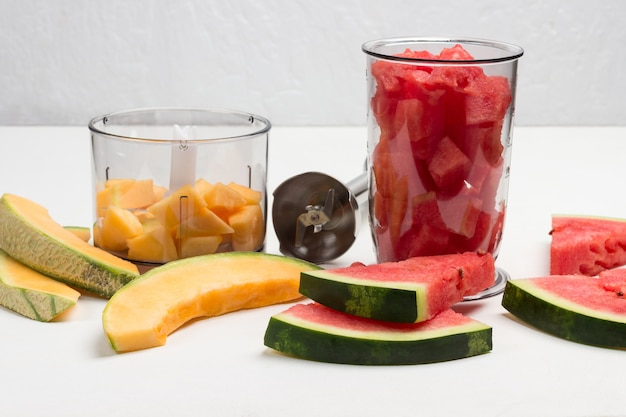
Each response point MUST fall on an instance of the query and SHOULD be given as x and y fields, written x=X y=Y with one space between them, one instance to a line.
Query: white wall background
x=297 y=62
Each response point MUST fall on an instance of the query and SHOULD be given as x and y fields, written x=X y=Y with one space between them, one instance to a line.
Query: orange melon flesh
x=200 y=210
x=29 y=235
x=31 y=294
x=84 y=233
x=145 y=312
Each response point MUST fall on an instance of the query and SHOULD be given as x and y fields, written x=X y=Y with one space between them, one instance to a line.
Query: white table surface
x=219 y=366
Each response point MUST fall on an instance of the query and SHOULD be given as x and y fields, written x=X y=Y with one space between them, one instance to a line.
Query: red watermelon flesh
x=584 y=291
x=586 y=245
x=447 y=279
x=440 y=131
x=329 y=318
x=613 y=280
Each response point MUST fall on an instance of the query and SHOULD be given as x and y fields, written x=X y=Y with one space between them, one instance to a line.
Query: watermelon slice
x=578 y=308
x=315 y=332
x=586 y=245
x=408 y=291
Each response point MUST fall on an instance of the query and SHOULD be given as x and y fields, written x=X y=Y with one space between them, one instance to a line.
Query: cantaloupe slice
x=146 y=311
x=29 y=235
x=84 y=233
x=31 y=294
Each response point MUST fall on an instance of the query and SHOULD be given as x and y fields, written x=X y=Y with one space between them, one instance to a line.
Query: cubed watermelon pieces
x=441 y=132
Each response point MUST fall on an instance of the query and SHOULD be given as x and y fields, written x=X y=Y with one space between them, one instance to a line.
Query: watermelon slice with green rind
x=578 y=308
x=408 y=291
x=315 y=332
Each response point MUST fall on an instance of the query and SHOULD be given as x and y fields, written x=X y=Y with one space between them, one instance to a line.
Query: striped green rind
x=33 y=247
x=562 y=318
x=315 y=342
x=397 y=302
x=33 y=304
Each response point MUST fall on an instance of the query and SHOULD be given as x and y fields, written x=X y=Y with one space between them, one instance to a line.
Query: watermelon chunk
x=441 y=129
x=315 y=332
x=614 y=280
x=586 y=245
x=573 y=307
x=408 y=291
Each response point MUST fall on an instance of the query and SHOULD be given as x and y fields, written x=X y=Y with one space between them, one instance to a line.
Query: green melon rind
x=315 y=342
x=563 y=318
x=34 y=248
x=33 y=304
x=387 y=301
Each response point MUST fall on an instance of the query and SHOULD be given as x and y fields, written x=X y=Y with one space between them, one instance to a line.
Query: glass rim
x=510 y=52
x=102 y=119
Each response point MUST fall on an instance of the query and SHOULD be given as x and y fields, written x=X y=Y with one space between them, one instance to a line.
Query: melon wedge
x=315 y=332
x=573 y=307
x=31 y=294
x=29 y=235
x=408 y=291
x=586 y=245
x=84 y=233
x=147 y=310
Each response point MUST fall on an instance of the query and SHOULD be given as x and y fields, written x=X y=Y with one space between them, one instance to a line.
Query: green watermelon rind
x=330 y=344
x=563 y=318
x=393 y=301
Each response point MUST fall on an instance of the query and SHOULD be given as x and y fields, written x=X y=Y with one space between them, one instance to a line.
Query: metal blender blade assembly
x=316 y=216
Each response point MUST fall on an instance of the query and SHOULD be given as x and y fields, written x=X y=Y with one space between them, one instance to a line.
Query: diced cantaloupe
x=125 y=193
x=118 y=225
x=156 y=246
x=204 y=223
x=159 y=192
x=199 y=245
x=249 y=228
x=223 y=200
x=202 y=186
x=251 y=196
x=199 y=210
x=182 y=204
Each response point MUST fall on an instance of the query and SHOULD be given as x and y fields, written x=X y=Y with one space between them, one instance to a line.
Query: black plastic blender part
x=316 y=216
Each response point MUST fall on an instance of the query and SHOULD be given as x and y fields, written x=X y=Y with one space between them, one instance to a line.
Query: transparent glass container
x=172 y=183
x=440 y=119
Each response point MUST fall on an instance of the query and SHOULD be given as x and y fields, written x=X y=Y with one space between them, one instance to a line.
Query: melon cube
x=426 y=211
x=448 y=166
x=183 y=204
x=118 y=225
x=425 y=240
x=202 y=186
x=199 y=245
x=156 y=246
x=249 y=228
x=223 y=200
x=204 y=223
x=251 y=196
x=125 y=193
x=460 y=213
